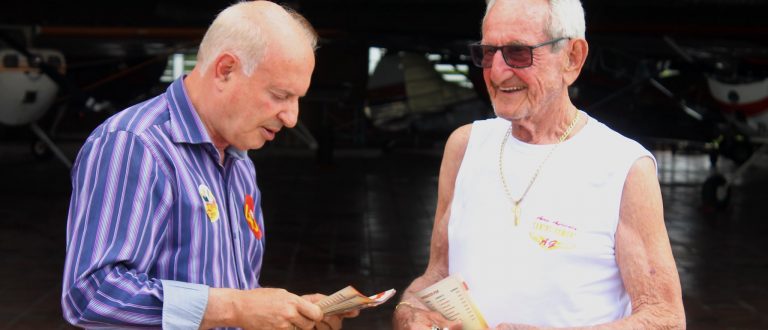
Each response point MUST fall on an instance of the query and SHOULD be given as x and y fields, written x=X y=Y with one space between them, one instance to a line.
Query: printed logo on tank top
x=552 y=234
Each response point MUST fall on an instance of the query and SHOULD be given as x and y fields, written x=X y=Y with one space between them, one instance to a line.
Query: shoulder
x=477 y=131
x=603 y=140
x=457 y=142
x=607 y=135
x=136 y=119
x=128 y=135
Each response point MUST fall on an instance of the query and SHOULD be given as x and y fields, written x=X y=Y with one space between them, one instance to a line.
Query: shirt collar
x=185 y=123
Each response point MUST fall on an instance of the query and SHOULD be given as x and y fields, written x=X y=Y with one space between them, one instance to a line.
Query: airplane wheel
x=715 y=192
x=40 y=150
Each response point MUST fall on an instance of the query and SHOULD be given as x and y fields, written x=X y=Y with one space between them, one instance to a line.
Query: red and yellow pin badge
x=211 y=209
x=250 y=218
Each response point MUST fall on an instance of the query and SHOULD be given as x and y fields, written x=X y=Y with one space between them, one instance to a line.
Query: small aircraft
x=28 y=91
x=86 y=76
x=707 y=95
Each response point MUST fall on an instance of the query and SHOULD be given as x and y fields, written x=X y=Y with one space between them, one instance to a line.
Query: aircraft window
x=374 y=56
x=11 y=61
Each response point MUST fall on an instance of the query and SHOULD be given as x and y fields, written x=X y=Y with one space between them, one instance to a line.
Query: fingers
x=302 y=323
x=272 y=308
x=299 y=313
x=415 y=318
x=313 y=298
x=309 y=310
x=351 y=314
x=323 y=326
x=330 y=323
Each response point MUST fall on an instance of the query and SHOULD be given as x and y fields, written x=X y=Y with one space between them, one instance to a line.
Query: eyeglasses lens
x=514 y=56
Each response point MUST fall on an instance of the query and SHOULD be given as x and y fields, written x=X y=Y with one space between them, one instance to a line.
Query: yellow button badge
x=211 y=209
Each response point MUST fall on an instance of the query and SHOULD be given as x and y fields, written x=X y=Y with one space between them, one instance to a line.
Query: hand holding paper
x=450 y=297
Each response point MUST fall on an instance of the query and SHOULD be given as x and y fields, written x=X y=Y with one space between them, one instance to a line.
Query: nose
x=499 y=69
x=498 y=60
x=290 y=115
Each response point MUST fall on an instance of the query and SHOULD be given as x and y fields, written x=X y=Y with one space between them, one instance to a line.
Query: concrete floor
x=365 y=221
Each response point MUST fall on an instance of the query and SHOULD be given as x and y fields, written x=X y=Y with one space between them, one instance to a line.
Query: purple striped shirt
x=151 y=204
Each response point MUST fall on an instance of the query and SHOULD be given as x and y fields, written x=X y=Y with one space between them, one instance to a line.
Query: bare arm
x=644 y=254
x=414 y=314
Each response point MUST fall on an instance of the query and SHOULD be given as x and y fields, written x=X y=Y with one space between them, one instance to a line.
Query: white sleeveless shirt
x=558 y=267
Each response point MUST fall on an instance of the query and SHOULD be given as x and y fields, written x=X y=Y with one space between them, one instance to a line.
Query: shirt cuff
x=183 y=304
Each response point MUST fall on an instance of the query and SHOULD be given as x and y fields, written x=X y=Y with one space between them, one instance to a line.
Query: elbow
x=673 y=322
x=75 y=306
x=678 y=322
x=677 y=315
x=660 y=316
x=71 y=310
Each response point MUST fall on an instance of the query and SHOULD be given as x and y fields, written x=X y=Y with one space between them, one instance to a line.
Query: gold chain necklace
x=516 y=203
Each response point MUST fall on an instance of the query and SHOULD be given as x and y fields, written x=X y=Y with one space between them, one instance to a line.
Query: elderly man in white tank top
x=551 y=218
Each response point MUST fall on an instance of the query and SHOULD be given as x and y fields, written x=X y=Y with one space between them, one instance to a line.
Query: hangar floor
x=365 y=220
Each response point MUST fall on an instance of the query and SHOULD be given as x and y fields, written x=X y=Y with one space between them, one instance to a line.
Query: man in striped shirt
x=165 y=227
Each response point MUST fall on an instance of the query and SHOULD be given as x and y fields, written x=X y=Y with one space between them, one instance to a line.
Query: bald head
x=249 y=29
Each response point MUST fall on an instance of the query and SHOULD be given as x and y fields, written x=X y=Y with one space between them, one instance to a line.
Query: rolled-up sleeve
x=118 y=214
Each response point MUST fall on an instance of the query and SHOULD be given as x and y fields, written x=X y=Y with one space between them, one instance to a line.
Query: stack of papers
x=349 y=299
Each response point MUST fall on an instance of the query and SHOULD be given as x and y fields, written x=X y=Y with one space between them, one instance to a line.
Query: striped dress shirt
x=156 y=219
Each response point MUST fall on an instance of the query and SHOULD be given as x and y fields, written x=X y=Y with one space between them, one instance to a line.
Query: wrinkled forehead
x=516 y=22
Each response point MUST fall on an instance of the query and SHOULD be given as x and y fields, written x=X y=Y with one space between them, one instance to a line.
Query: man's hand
x=411 y=318
x=332 y=322
x=263 y=308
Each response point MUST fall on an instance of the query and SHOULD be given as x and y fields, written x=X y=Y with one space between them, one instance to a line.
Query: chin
x=256 y=146
x=509 y=114
x=250 y=145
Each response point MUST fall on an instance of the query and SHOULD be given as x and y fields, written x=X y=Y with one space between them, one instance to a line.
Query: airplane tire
x=40 y=150
x=715 y=192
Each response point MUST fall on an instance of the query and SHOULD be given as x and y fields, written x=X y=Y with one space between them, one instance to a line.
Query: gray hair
x=566 y=19
x=234 y=31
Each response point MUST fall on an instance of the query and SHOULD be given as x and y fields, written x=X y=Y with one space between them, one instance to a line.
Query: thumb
x=310 y=310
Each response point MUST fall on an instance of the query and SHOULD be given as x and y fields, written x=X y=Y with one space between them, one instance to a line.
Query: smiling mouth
x=510 y=89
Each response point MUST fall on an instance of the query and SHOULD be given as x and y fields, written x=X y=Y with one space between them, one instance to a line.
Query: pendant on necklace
x=516 y=211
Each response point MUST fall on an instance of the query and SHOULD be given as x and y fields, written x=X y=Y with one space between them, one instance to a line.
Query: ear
x=576 y=56
x=224 y=67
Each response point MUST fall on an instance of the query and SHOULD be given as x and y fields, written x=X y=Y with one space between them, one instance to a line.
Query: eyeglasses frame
x=497 y=48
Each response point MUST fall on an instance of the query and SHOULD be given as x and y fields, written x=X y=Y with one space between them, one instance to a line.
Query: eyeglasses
x=516 y=56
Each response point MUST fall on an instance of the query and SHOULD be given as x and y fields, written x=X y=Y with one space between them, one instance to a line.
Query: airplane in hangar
x=684 y=70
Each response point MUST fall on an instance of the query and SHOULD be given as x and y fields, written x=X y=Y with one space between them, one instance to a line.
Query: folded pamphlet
x=450 y=297
x=349 y=299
